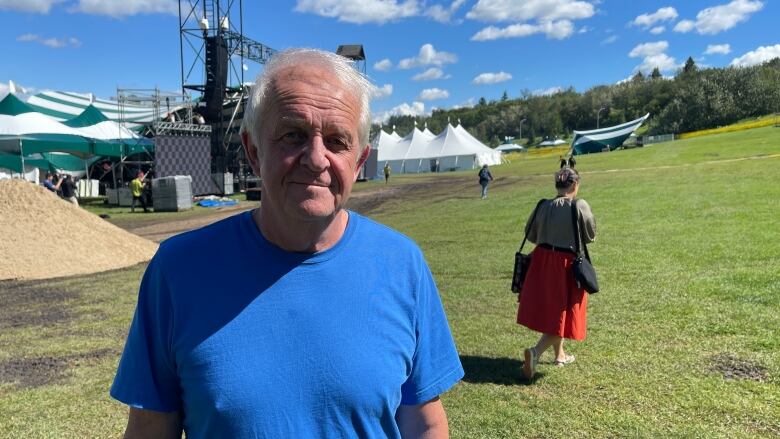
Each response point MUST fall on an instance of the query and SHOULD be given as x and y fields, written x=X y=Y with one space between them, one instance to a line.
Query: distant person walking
x=137 y=188
x=68 y=187
x=485 y=177
x=551 y=301
x=387 y=171
x=570 y=162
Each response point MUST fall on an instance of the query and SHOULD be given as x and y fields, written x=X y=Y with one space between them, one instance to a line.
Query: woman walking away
x=551 y=302
x=485 y=177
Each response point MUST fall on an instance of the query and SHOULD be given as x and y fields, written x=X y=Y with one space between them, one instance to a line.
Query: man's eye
x=337 y=142
x=293 y=136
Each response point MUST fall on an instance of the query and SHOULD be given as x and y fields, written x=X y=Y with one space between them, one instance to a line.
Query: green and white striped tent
x=29 y=138
x=586 y=142
x=64 y=106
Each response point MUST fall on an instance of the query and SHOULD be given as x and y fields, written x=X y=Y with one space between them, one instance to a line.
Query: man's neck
x=303 y=236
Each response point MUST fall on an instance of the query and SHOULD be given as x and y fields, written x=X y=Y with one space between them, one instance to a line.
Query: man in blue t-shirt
x=300 y=318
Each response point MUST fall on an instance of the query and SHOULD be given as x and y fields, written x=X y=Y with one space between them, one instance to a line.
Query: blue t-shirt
x=248 y=340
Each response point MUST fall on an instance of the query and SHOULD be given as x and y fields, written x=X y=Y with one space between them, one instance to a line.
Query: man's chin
x=314 y=211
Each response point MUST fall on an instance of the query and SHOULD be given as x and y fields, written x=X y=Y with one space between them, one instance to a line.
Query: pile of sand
x=43 y=236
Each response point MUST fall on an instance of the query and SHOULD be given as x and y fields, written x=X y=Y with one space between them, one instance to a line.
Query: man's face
x=309 y=152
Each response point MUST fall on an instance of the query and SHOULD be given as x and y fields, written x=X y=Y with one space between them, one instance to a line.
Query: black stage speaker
x=216 y=77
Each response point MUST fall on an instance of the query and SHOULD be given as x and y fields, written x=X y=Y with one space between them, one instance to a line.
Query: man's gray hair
x=351 y=79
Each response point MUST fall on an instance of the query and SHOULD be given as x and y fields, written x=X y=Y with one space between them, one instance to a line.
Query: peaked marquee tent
x=64 y=106
x=586 y=142
x=453 y=149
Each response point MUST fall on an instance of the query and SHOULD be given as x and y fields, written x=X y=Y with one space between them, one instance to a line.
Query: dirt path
x=163 y=229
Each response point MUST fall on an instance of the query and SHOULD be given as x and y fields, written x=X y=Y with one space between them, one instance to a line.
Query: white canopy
x=509 y=147
x=382 y=140
x=421 y=151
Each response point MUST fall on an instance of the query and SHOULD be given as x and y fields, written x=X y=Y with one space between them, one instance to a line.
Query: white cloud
x=383 y=91
x=758 y=56
x=50 y=42
x=492 y=78
x=430 y=75
x=35 y=6
x=684 y=26
x=430 y=94
x=519 y=11
x=428 y=56
x=610 y=39
x=662 y=14
x=657 y=30
x=468 y=103
x=552 y=29
x=720 y=18
x=653 y=56
x=27 y=37
x=415 y=109
x=663 y=61
x=124 y=8
x=3 y=90
x=547 y=91
x=383 y=65
x=360 y=11
x=723 y=49
x=442 y=14
x=649 y=49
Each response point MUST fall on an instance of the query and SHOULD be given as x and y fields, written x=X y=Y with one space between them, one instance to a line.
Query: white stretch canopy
x=420 y=151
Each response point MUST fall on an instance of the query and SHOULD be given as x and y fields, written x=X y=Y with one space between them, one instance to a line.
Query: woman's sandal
x=568 y=358
x=529 y=366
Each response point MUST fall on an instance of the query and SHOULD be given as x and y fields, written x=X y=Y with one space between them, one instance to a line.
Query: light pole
x=521 y=129
x=597 y=116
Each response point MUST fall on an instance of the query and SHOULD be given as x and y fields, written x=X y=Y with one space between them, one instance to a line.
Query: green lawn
x=683 y=339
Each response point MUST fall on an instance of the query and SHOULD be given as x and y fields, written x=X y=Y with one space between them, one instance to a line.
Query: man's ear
x=251 y=152
x=362 y=160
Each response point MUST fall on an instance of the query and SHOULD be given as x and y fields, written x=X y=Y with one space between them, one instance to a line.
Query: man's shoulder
x=373 y=233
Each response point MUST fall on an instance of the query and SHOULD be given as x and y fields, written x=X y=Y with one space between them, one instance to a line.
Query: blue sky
x=421 y=54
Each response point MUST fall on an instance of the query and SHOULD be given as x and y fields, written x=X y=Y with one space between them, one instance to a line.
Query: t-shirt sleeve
x=146 y=377
x=436 y=366
x=588 y=225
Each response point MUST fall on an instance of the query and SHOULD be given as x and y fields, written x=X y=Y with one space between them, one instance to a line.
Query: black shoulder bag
x=523 y=261
x=584 y=273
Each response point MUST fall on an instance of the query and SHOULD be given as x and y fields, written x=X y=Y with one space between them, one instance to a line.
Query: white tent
x=421 y=151
x=406 y=155
x=509 y=147
x=461 y=150
x=384 y=140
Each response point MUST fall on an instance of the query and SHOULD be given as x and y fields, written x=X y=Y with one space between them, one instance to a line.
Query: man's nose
x=314 y=155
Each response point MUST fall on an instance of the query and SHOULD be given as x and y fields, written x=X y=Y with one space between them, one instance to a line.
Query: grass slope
x=687 y=255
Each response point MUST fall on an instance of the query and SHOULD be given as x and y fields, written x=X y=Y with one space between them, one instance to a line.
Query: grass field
x=683 y=339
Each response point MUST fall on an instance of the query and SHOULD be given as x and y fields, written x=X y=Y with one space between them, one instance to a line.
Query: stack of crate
x=172 y=194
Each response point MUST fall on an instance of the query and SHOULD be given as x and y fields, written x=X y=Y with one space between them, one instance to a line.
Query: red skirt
x=550 y=302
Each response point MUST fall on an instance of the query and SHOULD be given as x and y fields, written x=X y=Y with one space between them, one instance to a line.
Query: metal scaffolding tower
x=213 y=50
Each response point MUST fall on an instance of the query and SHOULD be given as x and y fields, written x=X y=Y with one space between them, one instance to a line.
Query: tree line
x=696 y=98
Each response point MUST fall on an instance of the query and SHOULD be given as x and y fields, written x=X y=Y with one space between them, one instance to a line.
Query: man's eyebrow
x=293 y=120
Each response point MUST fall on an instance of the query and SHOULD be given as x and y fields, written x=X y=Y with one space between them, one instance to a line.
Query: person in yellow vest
x=137 y=188
x=387 y=172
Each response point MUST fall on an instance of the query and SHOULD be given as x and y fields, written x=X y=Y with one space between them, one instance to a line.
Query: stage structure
x=213 y=50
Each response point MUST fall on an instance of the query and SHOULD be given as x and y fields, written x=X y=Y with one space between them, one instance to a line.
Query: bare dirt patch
x=27 y=304
x=45 y=237
x=733 y=368
x=27 y=373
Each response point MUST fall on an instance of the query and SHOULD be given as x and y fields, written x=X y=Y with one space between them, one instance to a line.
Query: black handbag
x=523 y=261
x=584 y=273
